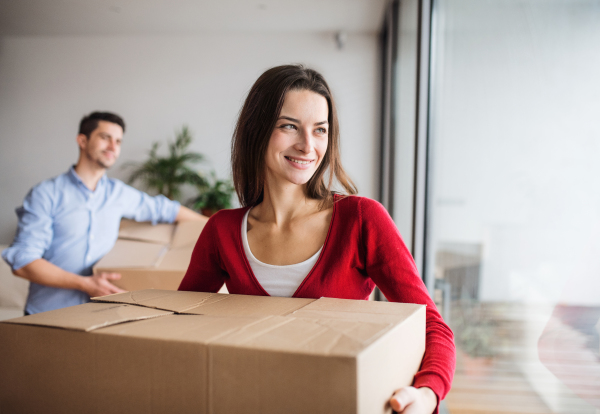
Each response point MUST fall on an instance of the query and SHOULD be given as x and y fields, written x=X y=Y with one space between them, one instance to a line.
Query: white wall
x=158 y=84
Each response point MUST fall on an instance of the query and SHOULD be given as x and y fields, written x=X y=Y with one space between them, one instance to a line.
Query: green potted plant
x=214 y=196
x=167 y=175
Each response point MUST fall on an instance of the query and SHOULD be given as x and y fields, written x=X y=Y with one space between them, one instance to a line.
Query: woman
x=294 y=237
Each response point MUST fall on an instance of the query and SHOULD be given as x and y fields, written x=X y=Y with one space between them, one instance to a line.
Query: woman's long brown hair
x=256 y=123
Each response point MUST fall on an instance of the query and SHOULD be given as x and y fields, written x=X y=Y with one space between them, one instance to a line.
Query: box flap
x=246 y=305
x=90 y=316
x=160 y=233
x=187 y=233
x=189 y=328
x=307 y=336
x=358 y=310
x=163 y=299
x=202 y=303
x=362 y=306
x=132 y=254
x=277 y=333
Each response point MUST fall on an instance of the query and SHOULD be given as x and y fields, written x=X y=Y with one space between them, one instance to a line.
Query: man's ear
x=82 y=141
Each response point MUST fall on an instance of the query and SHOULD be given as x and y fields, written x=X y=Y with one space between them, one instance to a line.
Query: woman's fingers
x=403 y=398
x=411 y=400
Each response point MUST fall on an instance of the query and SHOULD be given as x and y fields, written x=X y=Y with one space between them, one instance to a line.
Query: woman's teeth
x=298 y=161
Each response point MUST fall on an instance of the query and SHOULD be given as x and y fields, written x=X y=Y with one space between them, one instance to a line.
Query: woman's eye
x=321 y=130
x=288 y=126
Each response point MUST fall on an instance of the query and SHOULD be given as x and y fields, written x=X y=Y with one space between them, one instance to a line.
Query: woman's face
x=299 y=141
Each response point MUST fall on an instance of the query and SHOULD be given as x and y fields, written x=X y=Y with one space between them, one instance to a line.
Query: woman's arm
x=390 y=265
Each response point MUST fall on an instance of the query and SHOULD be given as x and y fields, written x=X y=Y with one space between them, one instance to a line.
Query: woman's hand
x=411 y=400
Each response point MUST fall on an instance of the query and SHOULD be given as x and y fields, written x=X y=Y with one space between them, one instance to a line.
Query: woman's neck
x=283 y=203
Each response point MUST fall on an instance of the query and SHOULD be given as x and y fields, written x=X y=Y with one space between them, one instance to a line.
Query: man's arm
x=156 y=209
x=43 y=272
x=186 y=214
x=34 y=235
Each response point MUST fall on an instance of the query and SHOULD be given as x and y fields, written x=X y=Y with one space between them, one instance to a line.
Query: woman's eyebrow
x=298 y=121
x=290 y=119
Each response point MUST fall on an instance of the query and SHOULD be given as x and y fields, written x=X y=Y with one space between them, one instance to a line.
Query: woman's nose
x=305 y=142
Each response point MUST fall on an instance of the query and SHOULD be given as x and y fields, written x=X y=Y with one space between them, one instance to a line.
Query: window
x=506 y=173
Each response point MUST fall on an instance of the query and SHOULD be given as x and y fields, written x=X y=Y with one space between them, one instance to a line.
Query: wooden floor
x=493 y=392
x=513 y=381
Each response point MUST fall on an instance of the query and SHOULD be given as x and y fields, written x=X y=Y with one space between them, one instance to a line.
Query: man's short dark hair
x=90 y=122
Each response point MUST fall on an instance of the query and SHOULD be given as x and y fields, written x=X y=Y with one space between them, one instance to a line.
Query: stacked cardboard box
x=151 y=257
x=182 y=352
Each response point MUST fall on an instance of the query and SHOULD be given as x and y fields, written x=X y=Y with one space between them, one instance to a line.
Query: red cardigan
x=363 y=248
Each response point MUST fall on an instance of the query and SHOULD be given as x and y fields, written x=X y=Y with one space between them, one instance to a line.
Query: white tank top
x=280 y=281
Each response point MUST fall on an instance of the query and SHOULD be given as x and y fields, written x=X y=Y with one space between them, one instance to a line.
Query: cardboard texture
x=166 y=351
x=151 y=257
x=13 y=289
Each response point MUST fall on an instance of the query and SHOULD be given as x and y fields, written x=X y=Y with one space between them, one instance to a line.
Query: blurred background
x=475 y=122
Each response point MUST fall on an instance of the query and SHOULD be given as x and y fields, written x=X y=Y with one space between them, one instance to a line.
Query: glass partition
x=513 y=201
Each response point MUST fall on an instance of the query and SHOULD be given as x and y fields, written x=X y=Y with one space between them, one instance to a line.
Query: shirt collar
x=77 y=179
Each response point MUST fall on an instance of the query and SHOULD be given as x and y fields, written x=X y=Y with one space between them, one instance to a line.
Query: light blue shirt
x=69 y=225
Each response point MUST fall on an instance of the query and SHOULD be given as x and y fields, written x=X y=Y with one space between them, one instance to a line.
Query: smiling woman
x=295 y=237
x=263 y=115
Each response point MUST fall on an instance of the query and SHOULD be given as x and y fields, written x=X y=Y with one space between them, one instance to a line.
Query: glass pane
x=513 y=234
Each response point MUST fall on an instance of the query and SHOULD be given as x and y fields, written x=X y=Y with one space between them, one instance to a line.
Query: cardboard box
x=151 y=257
x=13 y=289
x=189 y=352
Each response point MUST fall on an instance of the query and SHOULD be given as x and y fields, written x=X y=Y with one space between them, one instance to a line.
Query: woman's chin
x=295 y=179
x=294 y=183
x=300 y=180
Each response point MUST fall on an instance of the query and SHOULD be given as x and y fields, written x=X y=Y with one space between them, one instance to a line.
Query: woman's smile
x=299 y=163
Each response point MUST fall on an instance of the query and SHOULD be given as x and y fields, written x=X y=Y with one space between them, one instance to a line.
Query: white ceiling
x=171 y=17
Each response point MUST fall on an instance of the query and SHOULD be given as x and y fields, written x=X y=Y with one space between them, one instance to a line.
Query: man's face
x=104 y=144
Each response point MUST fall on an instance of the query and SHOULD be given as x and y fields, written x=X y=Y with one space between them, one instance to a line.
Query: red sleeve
x=390 y=265
x=205 y=272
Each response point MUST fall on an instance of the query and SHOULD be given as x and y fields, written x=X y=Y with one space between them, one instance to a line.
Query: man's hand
x=100 y=285
x=43 y=272
x=411 y=400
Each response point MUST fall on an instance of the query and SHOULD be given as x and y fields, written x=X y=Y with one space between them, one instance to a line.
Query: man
x=69 y=222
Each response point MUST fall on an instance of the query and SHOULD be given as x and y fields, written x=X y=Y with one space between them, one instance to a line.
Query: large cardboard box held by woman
x=164 y=351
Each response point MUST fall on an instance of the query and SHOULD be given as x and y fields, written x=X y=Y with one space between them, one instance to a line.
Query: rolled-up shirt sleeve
x=142 y=207
x=34 y=231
